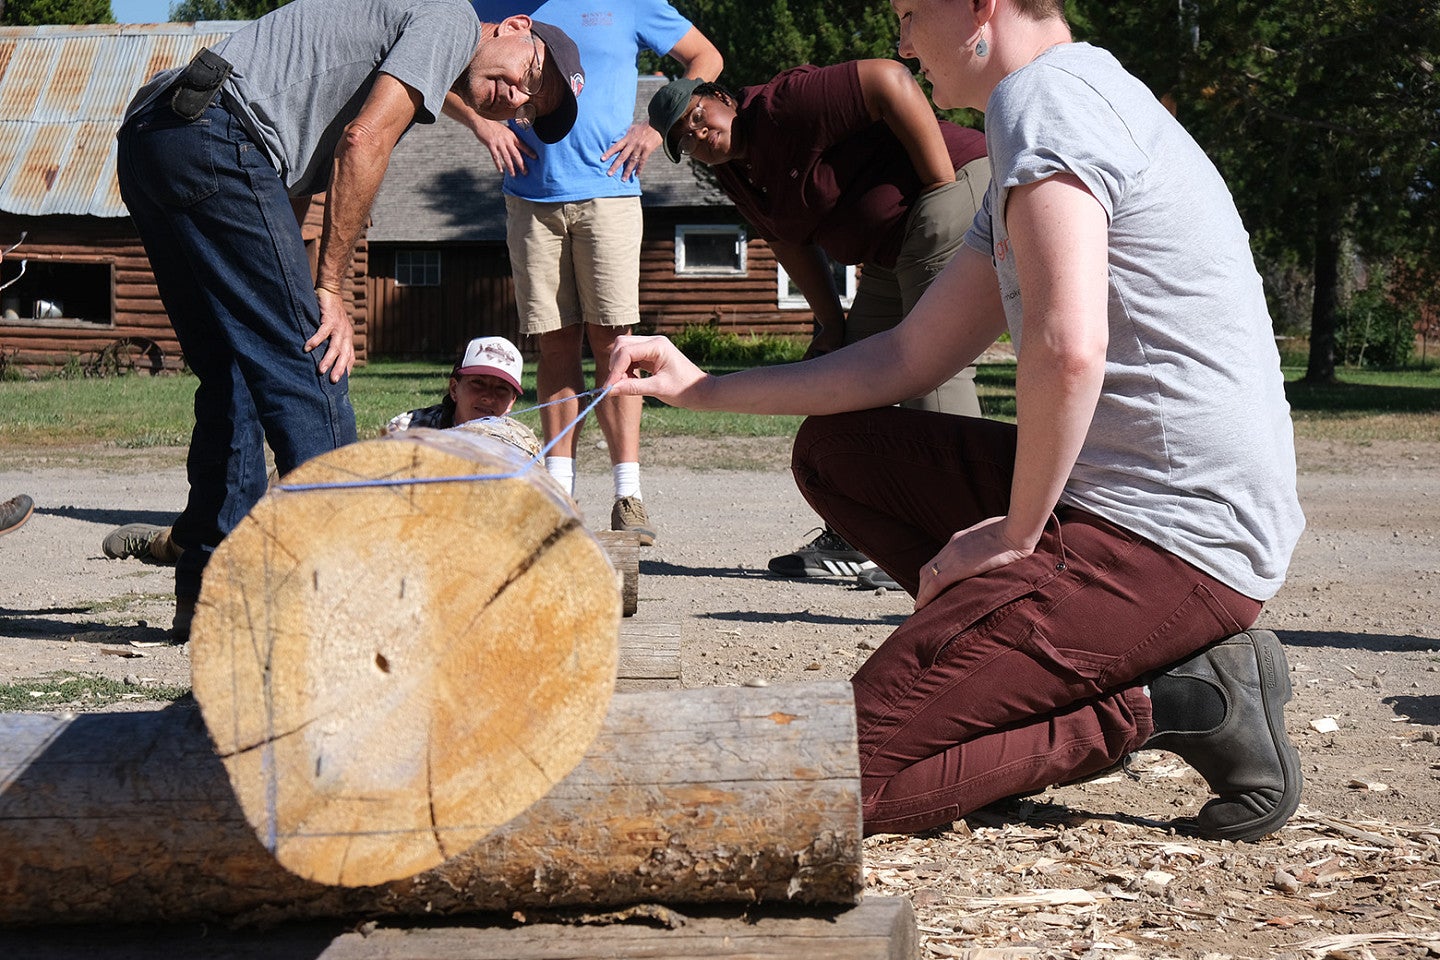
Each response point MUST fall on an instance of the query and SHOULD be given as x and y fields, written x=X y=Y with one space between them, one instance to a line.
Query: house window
x=713 y=249
x=417 y=268
x=790 y=298
x=57 y=293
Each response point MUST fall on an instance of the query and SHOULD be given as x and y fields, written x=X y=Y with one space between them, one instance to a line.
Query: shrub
x=710 y=346
x=1374 y=331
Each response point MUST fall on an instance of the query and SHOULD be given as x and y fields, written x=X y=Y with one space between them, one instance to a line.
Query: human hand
x=335 y=326
x=671 y=376
x=827 y=339
x=506 y=148
x=632 y=150
x=970 y=552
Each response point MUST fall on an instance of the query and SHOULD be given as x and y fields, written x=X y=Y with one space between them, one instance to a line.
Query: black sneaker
x=873 y=578
x=828 y=555
x=14 y=512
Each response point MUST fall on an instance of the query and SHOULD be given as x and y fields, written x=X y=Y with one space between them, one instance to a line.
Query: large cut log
x=880 y=928
x=714 y=795
x=392 y=661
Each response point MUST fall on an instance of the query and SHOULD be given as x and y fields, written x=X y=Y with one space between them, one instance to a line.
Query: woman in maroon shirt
x=846 y=163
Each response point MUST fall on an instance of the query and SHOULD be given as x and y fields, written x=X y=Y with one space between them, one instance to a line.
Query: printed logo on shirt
x=1002 y=249
x=602 y=19
x=577 y=83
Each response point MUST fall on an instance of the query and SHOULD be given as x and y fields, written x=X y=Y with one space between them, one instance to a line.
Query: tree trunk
x=714 y=795
x=1326 y=307
x=391 y=672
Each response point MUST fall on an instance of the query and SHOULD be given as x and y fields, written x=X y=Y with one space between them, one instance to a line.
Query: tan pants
x=934 y=233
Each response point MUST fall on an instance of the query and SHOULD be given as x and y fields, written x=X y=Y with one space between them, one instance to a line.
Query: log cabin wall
x=472 y=296
x=743 y=303
x=95 y=271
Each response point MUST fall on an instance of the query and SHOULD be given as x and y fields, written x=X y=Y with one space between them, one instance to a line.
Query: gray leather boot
x=1247 y=757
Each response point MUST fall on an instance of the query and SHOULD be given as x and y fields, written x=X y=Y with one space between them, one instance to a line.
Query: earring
x=982 y=48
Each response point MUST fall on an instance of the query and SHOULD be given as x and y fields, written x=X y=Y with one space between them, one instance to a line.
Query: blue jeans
x=235 y=279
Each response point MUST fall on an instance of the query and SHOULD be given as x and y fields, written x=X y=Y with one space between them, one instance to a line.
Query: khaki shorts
x=575 y=262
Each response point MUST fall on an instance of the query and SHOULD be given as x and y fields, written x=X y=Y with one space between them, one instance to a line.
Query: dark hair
x=717 y=90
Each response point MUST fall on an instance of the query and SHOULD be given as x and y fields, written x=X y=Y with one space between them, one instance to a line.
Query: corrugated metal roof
x=63 y=90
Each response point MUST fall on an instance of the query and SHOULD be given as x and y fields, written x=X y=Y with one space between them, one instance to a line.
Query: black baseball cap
x=559 y=51
x=667 y=107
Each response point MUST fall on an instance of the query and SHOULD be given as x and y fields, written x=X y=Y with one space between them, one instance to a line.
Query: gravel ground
x=1095 y=870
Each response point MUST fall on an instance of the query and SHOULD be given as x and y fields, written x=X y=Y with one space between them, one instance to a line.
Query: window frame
x=426 y=253
x=737 y=231
x=785 y=300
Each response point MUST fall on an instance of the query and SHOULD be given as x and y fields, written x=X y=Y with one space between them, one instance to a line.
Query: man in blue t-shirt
x=574 y=223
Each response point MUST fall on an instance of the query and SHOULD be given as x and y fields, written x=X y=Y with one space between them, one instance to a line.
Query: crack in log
x=269 y=739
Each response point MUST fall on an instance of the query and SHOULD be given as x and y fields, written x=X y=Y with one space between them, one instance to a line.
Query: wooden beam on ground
x=714 y=795
x=403 y=645
x=623 y=547
x=880 y=928
x=649 y=656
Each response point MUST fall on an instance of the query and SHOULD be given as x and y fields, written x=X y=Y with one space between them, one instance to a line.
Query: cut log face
x=389 y=673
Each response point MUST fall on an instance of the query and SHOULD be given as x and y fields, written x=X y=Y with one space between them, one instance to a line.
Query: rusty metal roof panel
x=63 y=90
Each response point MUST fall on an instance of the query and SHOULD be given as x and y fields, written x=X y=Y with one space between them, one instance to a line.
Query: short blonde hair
x=1041 y=9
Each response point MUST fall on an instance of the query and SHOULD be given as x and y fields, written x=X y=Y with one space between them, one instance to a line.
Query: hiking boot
x=873 y=578
x=184 y=615
x=629 y=514
x=14 y=512
x=1223 y=711
x=131 y=540
x=828 y=555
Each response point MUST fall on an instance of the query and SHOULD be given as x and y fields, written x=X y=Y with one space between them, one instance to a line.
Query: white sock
x=627 y=480
x=563 y=470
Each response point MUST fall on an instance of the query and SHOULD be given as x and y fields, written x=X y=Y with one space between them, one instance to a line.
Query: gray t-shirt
x=1191 y=443
x=303 y=72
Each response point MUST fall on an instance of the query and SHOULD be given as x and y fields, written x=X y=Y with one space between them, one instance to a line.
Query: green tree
x=1323 y=117
x=759 y=38
x=186 y=10
x=33 y=13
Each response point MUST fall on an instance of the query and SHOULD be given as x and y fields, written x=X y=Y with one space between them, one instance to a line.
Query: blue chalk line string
x=599 y=394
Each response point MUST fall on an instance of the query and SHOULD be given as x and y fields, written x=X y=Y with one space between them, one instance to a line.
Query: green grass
x=139 y=411
x=83 y=690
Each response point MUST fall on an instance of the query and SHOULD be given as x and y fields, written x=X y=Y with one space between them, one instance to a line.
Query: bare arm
x=809 y=267
x=959 y=316
x=1058 y=236
x=892 y=95
x=700 y=60
x=507 y=150
x=359 y=167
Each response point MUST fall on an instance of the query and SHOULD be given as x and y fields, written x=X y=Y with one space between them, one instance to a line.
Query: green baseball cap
x=667 y=107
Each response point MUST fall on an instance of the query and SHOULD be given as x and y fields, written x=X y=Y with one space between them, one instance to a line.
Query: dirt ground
x=1096 y=870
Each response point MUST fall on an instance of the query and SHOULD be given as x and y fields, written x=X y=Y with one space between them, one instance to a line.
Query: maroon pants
x=1014 y=680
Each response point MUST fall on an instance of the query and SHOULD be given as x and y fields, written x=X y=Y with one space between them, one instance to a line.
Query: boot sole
x=1275 y=693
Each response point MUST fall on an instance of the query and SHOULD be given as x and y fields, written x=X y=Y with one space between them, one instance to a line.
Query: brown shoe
x=629 y=514
x=1246 y=757
x=14 y=512
x=131 y=540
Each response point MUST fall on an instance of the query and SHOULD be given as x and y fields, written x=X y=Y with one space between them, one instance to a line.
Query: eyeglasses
x=530 y=85
x=693 y=125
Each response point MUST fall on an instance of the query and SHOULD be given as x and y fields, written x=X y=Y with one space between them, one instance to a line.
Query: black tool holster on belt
x=192 y=93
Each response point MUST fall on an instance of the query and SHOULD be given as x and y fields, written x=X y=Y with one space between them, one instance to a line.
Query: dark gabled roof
x=63 y=90
x=441 y=185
